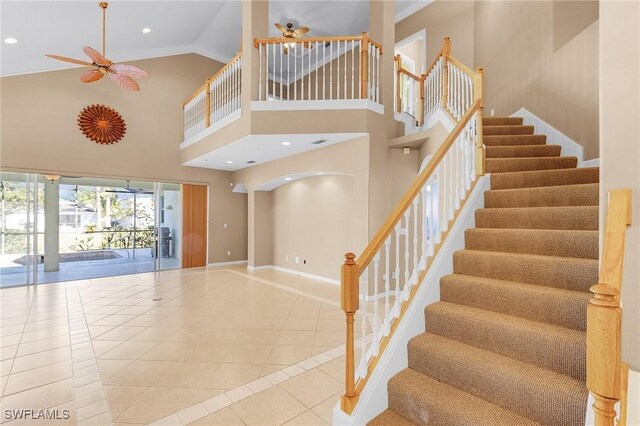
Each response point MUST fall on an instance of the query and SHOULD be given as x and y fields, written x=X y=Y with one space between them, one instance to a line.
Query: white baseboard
x=294 y=272
x=590 y=163
x=233 y=262
x=554 y=136
x=374 y=398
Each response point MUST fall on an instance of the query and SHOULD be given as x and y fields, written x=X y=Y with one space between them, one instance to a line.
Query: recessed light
x=287 y=178
x=229 y=162
x=286 y=143
x=10 y=40
x=146 y=30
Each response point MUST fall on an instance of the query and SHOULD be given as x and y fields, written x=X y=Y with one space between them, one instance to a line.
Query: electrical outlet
x=297 y=259
x=304 y=261
x=226 y=226
x=493 y=112
x=229 y=253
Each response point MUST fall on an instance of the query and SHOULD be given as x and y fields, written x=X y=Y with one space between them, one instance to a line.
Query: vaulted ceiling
x=210 y=28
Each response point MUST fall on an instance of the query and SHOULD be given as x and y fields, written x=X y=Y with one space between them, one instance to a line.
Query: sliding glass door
x=94 y=228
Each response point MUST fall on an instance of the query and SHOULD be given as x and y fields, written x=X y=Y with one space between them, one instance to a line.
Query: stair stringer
x=374 y=398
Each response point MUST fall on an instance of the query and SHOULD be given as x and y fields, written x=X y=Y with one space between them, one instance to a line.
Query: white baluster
x=331 y=70
x=364 y=291
x=416 y=216
x=443 y=186
x=425 y=229
x=346 y=50
x=295 y=73
x=317 y=71
x=376 y=264
x=353 y=70
x=398 y=299
x=338 y=71
x=405 y=288
x=387 y=323
x=324 y=70
x=451 y=185
x=260 y=72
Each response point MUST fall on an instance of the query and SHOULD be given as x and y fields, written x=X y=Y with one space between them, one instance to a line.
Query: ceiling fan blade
x=124 y=81
x=301 y=31
x=71 y=60
x=129 y=70
x=90 y=76
x=281 y=27
x=96 y=56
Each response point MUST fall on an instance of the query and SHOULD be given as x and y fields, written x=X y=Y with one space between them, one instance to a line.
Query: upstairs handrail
x=446 y=84
x=605 y=369
x=381 y=283
x=319 y=68
x=218 y=97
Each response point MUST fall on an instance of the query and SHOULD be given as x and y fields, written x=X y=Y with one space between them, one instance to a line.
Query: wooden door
x=194 y=226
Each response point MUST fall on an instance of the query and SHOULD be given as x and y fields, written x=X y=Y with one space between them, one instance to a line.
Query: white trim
x=317 y=105
x=554 y=136
x=233 y=262
x=590 y=163
x=416 y=6
x=212 y=129
x=294 y=272
x=259 y=268
x=374 y=398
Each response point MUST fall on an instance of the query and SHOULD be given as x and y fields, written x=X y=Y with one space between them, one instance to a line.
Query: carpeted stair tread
x=564 y=308
x=501 y=121
x=426 y=401
x=549 y=346
x=549 y=242
x=389 y=418
x=535 y=178
x=514 y=140
x=567 y=217
x=523 y=151
x=546 y=196
x=503 y=165
x=560 y=272
x=507 y=130
x=534 y=392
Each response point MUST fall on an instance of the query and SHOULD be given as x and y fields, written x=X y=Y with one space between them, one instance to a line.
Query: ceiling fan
x=122 y=74
x=289 y=32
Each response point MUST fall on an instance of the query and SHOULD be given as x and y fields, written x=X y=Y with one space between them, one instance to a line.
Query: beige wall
x=313 y=220
x=620 y=147
x=543 y=56
x=39 y=134
x=443 y=19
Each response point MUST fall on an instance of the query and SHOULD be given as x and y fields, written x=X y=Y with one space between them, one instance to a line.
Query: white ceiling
x=211 y=28
x=265 y=148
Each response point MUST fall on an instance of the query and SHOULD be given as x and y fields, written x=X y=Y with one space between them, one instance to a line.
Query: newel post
x=398 y=60
x=603 y=351
x=423 y=78
x=477 y=96
x=446 y=51
x=350 y=303
x=364 y=67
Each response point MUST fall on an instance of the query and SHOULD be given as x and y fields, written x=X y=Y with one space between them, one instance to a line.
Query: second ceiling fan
x=289 y=32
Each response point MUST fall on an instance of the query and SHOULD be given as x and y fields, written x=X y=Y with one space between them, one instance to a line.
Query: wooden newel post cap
x=604 y=295
x=350 y=259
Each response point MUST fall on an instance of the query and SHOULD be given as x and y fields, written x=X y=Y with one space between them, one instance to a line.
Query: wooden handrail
x=282 y=40
x=367 y=255
x=435 y=61
x=460 y=65
x=410 y=74
x=198 y=90
x=212 y=78
x=604 y=315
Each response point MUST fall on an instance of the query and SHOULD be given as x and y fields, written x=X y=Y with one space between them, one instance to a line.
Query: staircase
x=506 y=343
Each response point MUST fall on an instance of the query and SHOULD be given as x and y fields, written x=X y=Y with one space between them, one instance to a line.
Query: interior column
x=260 y=235
x=51 y=225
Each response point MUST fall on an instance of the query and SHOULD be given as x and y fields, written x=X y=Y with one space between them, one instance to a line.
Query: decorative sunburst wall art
x=101 y=124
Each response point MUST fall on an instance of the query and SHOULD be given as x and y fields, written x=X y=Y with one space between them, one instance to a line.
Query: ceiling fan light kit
x=121 y=74
x=289 y=32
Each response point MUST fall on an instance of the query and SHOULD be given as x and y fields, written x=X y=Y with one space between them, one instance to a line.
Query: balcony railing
x=215 y=100
x=319 y=68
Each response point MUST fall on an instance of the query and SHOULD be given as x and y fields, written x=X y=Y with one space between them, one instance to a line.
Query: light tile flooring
x=203 y=346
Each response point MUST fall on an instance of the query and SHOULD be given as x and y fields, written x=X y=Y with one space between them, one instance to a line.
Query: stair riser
x=563 y=352
x=512 y=389
x=569 y=274
x=537 y=303
x=544 y=178
x=523 y=151
x=502 y=121
x=514 y=140
x=507 y=130
x=562 y=218
x=503 y=165
x=553 y=196
x=582 y=244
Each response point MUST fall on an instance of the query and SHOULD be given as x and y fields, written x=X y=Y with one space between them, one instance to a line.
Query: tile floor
x=203 y=346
